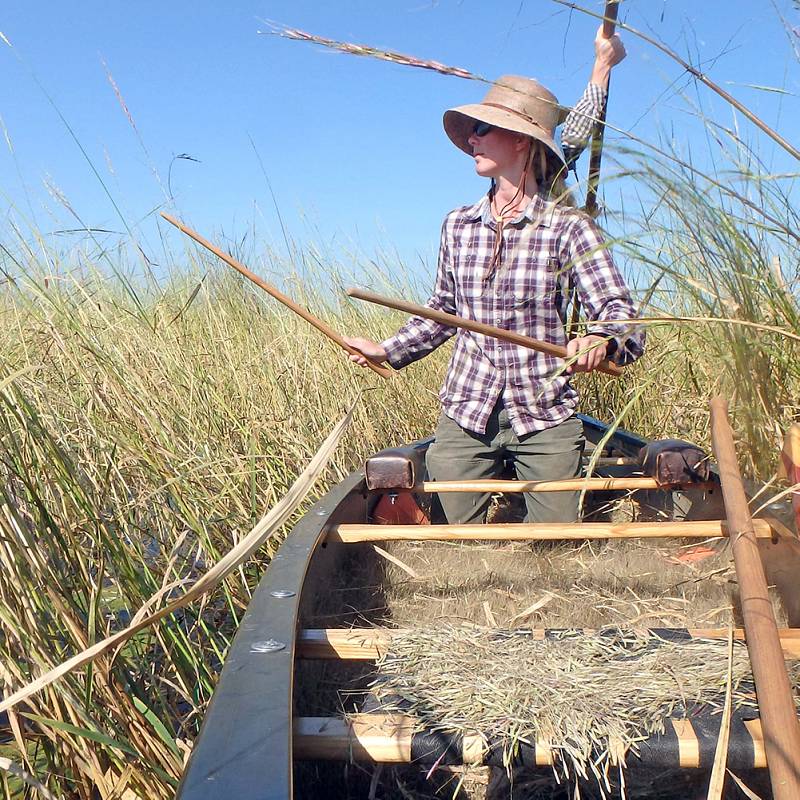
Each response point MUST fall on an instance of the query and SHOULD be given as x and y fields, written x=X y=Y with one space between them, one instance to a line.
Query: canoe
x=320 y=617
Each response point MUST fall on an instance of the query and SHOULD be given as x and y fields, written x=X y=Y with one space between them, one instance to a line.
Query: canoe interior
x=245 y=743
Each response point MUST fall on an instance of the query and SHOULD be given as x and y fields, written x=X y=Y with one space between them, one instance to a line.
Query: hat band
x=516 y=113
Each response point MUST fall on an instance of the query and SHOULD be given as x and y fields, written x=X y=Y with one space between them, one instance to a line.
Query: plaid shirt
x=529 y=292
x=544 y=247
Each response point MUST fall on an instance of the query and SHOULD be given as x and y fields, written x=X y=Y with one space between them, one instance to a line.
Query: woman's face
x=497 y=152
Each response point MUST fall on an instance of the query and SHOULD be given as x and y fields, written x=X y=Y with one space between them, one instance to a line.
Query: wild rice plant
x=143 y=434
x=723 y=251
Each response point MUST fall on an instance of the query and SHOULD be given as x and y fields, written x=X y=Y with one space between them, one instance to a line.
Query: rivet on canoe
x=267 y=646
x=282 y=593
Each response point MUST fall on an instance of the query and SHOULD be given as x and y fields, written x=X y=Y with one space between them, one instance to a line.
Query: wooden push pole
x=608 y=367
x=590 y=207
x=595 y=157
x=773 y=689
x=321 y=326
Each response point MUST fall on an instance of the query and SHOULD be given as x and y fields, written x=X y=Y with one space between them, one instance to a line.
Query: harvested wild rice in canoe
x=591 y=697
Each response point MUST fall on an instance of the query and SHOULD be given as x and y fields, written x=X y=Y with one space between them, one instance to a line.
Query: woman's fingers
x=367 y=349
x=585 y=353
x=610 y=50
x=572 y=362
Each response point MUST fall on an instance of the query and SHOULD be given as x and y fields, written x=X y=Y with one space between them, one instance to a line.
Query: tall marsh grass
x=721 y=250
x=146 y=426
x=143 y=434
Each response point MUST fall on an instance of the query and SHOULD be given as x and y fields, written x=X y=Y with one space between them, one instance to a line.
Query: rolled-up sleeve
x=579 y=122
x=601 y=290
x=419 y=336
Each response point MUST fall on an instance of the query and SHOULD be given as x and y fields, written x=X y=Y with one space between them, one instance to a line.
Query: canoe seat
x=397 y=468
x=672 y=461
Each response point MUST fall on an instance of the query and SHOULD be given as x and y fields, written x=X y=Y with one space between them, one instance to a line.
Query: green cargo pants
x=458 y=454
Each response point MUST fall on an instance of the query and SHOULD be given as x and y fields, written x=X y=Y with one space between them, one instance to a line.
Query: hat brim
x=459 y=124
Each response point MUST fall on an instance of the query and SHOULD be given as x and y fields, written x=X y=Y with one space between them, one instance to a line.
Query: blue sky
x=352 y=147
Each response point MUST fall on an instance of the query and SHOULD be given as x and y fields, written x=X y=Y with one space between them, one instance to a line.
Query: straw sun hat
x=513 y=103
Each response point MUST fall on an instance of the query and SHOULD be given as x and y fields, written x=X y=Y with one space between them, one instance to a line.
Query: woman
x=509 y=260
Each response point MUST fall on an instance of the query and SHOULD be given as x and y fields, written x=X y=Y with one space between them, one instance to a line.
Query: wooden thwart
x=539 y=531
x=564 y=485
x=365 y=644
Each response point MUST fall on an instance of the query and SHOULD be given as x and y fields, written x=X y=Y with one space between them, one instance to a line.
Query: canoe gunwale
x=244 y=749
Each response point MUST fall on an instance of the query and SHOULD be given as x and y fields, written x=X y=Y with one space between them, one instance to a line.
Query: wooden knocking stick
x=773 y=689
x=556 y=350
x=321 y=326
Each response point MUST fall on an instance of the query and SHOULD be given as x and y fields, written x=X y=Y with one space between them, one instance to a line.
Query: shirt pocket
x=470 y=286
x=536 y=284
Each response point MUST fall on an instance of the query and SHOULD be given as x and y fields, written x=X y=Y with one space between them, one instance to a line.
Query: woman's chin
x=483 y=169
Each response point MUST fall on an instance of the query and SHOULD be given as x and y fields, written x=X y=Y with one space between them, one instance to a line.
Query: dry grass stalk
x=396 y=561
x=746 y=790
x=540 y=603
x=15 y=769
x=716 y=784
x=372 y=52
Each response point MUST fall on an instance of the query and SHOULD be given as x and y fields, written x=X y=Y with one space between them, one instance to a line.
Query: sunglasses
x=482 y=128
